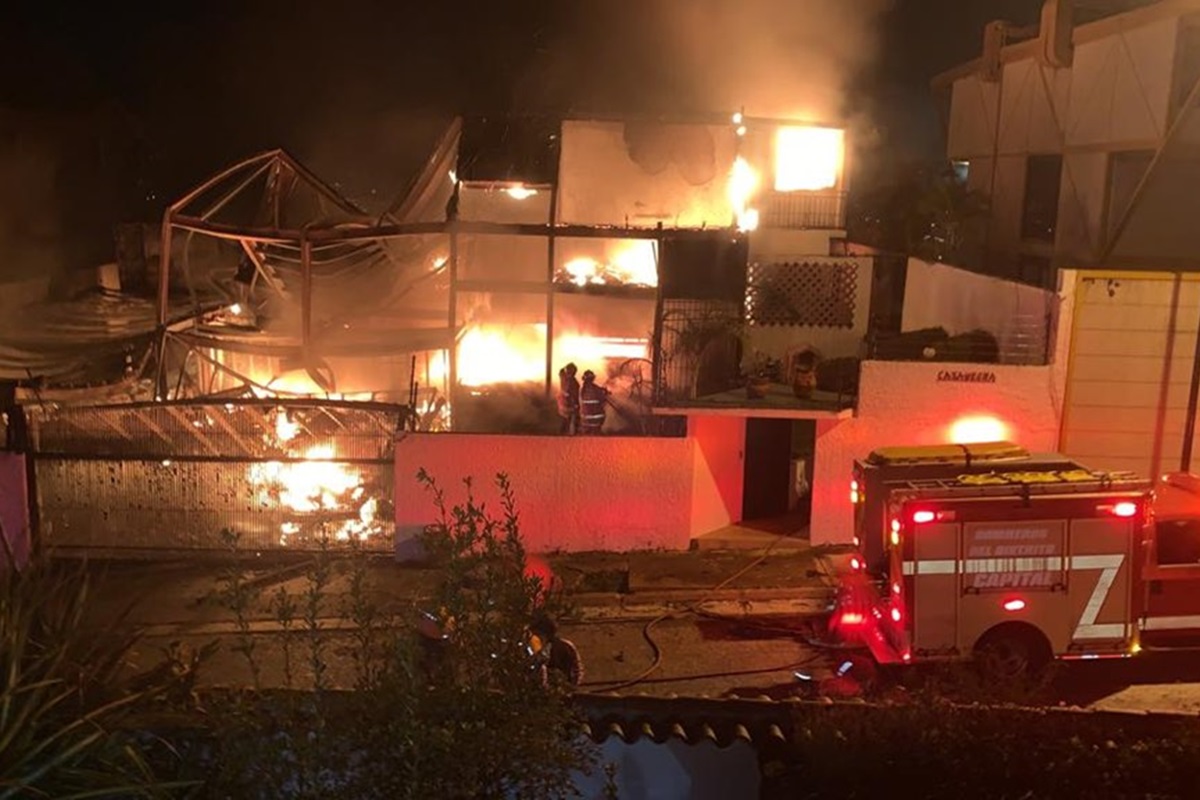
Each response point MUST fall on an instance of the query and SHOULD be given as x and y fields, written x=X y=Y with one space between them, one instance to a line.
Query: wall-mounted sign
x=965 y=376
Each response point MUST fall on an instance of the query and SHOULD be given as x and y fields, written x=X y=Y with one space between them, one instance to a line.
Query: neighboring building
x=1085 y=137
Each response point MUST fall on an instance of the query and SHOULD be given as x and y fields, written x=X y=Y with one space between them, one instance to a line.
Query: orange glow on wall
x=978 y=429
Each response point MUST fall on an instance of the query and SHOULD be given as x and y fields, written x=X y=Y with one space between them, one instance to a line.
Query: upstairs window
x=1125 y=172
x=1039 y=215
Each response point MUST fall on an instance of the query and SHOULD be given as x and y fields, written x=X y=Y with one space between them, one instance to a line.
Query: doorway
x=777 y=475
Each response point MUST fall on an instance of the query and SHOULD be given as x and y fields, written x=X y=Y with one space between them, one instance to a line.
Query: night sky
x=162 y=96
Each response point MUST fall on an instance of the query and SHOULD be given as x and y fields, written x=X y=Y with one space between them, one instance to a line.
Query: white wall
x=959 y=301
x=905 y=403
x=1130 y=370
x=574 y=493
x=718 y=476
x=1120 y=86
x=681 y=180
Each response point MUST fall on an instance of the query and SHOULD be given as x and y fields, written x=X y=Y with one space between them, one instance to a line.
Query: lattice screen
x=819 y=295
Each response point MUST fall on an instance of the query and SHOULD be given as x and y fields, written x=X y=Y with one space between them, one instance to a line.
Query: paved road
x=698 y=655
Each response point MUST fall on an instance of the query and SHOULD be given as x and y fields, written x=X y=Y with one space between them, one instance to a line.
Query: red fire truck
x=1022 y=567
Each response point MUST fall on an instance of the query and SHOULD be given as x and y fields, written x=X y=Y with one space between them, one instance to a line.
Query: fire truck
x=1020 y=566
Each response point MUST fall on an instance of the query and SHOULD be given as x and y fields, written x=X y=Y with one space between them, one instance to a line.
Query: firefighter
x=555 y=653
x=592 y=399
x=568 y=399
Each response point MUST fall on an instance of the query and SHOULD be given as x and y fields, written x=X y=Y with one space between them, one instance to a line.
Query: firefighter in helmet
x=568 y=399
x=592 y=400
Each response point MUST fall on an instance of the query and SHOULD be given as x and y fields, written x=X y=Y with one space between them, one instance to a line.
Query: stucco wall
x=908 y=403
x=573 y=493
x=680 y=179
x=14 y=507
x=719 y=471
x=959 y=301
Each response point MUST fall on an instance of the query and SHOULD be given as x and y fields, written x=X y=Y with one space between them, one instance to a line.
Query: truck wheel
x=1013 y=652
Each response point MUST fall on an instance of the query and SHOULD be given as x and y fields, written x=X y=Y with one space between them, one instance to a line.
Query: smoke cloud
x=779 y=58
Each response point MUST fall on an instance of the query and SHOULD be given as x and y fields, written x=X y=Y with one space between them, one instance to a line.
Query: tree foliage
x=923 y=210
x=464 y=715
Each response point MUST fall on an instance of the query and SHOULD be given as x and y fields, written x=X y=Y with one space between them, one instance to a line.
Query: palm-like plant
x=64 y=710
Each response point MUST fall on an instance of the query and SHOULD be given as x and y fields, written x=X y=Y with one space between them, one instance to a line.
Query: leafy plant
x=67 y=712
x=462 y=715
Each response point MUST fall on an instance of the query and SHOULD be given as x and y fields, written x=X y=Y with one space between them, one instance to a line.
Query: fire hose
x=691 y=608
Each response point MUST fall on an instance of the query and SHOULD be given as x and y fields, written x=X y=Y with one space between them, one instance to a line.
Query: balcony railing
x=823 y=210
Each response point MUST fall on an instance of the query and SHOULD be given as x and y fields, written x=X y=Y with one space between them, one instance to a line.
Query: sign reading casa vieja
x=965 y=376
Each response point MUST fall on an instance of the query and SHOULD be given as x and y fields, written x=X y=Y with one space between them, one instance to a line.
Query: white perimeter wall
x=573 y=493
x=959 y=301
x=904 y=403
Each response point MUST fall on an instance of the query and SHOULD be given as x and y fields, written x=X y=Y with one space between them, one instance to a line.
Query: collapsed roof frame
x=350 y=226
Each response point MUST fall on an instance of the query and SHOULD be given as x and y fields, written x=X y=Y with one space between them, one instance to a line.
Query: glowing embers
x=808 y=159
x=743 y=183
x=627 y=263
x=319 y=497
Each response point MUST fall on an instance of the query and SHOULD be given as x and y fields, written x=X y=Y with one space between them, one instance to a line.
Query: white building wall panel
x=972 y=118
x=1081 y=205
x=1121 y=85
x=1142 y=89
x=1130 y=371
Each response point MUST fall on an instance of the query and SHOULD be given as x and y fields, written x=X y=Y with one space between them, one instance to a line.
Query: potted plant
x=804 y=372
x=761 y=372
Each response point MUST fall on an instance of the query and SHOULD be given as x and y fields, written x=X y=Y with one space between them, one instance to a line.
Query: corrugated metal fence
x=174 y=476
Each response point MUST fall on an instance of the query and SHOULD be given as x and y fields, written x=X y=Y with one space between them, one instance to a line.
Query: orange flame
x=632 y=263
x=807 y=158
x=316 y=488
x=497 y=354
x=743 y=182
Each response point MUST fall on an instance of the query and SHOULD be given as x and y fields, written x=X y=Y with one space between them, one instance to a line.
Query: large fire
x=502 y=354
x=494 y=354
x=323 y=499
x=807 y=158
x=743 y=182
x=632 y=263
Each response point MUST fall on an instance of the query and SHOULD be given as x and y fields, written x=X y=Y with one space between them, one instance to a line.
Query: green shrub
x=67 y=711
x=410 y=718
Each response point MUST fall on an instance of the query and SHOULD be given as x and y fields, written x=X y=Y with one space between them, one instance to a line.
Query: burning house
x=304 y=358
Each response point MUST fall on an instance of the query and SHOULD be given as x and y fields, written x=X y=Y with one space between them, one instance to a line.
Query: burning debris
x=626 y=263
x=323 y=499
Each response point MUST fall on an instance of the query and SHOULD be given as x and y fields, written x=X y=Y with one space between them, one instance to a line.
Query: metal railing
x=798 y=210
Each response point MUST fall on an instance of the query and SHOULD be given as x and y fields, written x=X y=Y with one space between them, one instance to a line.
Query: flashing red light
x=906 y=656
x=895 y=588
x=1124 y=509
x=895 y=526
x=895 y=615
x=923 y=516
x=1016 y=604
x=851 y=618
x=855 y=564
x=855 y=496
x=856 y=541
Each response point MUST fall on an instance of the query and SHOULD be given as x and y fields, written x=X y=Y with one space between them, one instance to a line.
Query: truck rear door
x=1171 y=615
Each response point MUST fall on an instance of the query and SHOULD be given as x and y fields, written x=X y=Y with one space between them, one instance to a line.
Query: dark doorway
x=766 y=491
